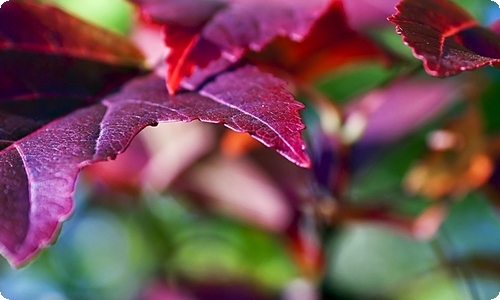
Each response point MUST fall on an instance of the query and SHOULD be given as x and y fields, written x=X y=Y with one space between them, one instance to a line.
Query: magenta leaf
x=416 y=101
x=55 y=118
x=446 y=37
x=38 y=171
x=259 y=103
x=199 y=32
x=47 y=53
x=364 y=14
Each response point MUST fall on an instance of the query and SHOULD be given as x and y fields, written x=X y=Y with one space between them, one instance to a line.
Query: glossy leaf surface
x=39 y=170
x=446 y=37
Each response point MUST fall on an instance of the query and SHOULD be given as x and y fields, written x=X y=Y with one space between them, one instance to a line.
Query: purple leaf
x=199 y=32
x=47 y=53
x=366 y=14
x=38 y=171
x=400 y=108
x=446 y=37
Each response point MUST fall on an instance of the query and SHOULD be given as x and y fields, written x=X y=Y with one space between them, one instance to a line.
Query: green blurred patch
x=382 y=176
x=232 y=251
x=435 y=285
x=474 y=7
x=354 y=80
x=393 y=42
x=200 y=244
x=115 y=15
x=370 y=260
x=490 y=107
x=473 y=225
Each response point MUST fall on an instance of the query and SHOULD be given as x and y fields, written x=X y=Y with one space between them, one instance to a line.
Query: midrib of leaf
x=451 y=32
x=221 y=101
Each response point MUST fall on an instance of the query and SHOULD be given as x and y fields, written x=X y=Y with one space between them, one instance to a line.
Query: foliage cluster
x=358 y=159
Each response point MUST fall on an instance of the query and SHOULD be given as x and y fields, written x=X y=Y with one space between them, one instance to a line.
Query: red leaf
x=199 y=32
x=330 y=44
x=41 y=56
x=447 y=38
x=38 y=171
x=185 y=42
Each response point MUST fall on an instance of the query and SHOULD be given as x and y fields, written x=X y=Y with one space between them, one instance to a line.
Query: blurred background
x=193 y=211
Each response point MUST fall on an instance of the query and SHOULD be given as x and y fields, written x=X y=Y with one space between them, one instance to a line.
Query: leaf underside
x=55 y=117
x=446 y=37
x=38 y=171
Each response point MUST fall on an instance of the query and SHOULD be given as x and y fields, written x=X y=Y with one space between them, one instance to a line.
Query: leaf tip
x=306 y=163
x=300 y=158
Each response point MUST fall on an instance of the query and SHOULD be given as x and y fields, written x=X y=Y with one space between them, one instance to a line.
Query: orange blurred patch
x=236 y=144
x=458 y=160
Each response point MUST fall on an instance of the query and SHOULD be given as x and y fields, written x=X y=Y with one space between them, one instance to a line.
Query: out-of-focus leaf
x=199 y=32
x=464 y=248
x=478 y=9
x=432 y=284
x=392 y=112
x=148 y=37
x=490 y=110
x=112 y=14
x=468 y=217
x=366 y=14
x=458 y=162
x=446 y=37
x=235 y=144
x=330 y=44
x=167 y=159
x=377 y=118
x=234 y=251
x=152 y=161
x=38 y=171
x=46 y=53
x=354 y=80
x=391 y=259
x=253 y=196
